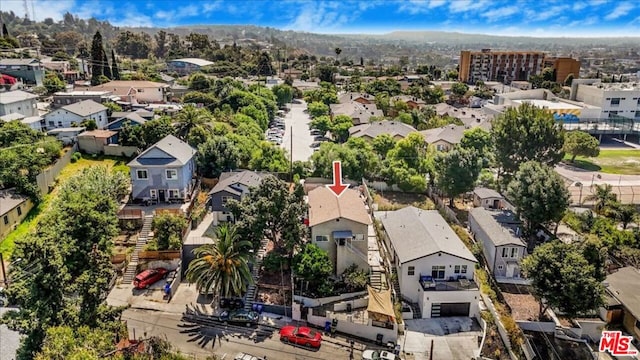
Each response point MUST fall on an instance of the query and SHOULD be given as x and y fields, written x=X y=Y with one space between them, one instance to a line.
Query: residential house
x=73 y=114
x=67 y=135
x=135 y=92
x=499 y=233
x=164 y=172
x=186 y=66
x=396 y=129
x=487 y=198
x=411 y=101
x=18 y=101
x=339 y=226
x=231 y=185
x=362 y=98
x=13 y=208
x=59 y=66
x=12 y=117
x=444 y=138
x=131 y=118
x=359 y=113
x=35 y=122
x=67 y=98
x=30 y=71
x=623 y=299
x=434 y=267
x=94 y=142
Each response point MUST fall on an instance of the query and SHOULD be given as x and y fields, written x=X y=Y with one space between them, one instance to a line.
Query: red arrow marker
x=337 y=187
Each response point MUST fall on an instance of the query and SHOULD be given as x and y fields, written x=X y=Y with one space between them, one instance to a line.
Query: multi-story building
x=30 y=71
x=562 y=67
x=613 y=99
x=503 y=66
x=20 y=102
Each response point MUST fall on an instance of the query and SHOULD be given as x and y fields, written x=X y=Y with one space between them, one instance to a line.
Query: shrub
x=273 y=262
x=354 y=278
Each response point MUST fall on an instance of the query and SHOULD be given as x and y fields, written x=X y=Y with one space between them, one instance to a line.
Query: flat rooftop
x=554 y=105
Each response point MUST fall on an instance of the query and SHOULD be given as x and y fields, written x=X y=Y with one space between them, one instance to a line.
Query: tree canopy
x=457 y=171
x=580 y=143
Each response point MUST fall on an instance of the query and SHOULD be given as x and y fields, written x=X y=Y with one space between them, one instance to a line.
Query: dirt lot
x=389 y=201
x=523 y=305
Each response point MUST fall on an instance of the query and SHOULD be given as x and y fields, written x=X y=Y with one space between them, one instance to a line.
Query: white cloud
x=414 y=7
x=550 y=12
x=500 y=13
x=622 y=9
x=209 y=7
x=469 y=5
x=43 y=9
x=597 y=2
x=181 y=13
x=577 y=6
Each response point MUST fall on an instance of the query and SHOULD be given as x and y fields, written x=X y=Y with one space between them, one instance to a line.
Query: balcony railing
x=460 y=284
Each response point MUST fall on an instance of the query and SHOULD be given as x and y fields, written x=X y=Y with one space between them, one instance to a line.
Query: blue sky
x=529 y=18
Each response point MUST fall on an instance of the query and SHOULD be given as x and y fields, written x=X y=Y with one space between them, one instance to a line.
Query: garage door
x=450 y=309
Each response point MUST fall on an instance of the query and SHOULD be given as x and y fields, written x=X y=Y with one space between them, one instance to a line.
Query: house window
x=456 y=269
x=514 y=252
x=358 y=237
x=6 y=219
x=174 y=193
x=142 y=174
x=153 y=193
x=500 y=267
x=411 y=270
x=52 y=124
x=505 y=252
x=322 y=238
x=19 y=211
x=460 y=269
x=224 y=200
x=615 y=101
x=437 y=272
x=60 y=123
x=463 y=269
x=172 y=174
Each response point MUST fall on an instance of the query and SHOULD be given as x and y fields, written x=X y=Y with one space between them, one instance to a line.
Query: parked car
x=243 y=356
x=320 y=138
x=315 y=144
x=300 y=336
x=316 y=132
x=149 y=277
x=240 y=317
x=378 y=355
x=231 y=303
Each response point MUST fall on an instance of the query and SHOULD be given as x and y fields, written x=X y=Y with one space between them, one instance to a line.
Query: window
x=19 y=211
x=615 y=101
x=437 y=272
x=224 y=200
x=463 y=269
x=174 y=193
x=505 y=252
x=172 y=174
x=456 y=269
x=153 y=193
x=514 y=252
x=142 y=174
x=6 y=219
x=322 y=238
x=411 y=270
x=358 y=237
x=51 y=123
x=500 y=267
x=60 y=123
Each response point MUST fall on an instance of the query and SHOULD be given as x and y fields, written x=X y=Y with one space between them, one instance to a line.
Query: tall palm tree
x=222 y=266
x=338 y=51
x=603 y=197
x=190 y=117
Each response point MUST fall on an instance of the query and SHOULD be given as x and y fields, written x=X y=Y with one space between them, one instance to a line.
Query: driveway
x=297 y=123
x=9 y=340
x=454 y=338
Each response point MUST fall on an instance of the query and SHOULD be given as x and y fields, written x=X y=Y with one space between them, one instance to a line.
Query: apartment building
x=613 y=100
x=563 y=66
x=503 y=66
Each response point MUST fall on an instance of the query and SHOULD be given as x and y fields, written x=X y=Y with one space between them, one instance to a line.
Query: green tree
x=526 y=133
x=222 y=266
x=53 y=83
x=168 y=229
x=340 y=128
x=283 y=93
x=479 y=140
x=624 y=213
x=382 y=144
x=64 y=342
x=89 y=124
x=603 y=198
x=216 y=155
x=562 y=276
x=312 y=264
x=115 y=72
x=264 y=65
x=199 y=82
x=322 y=123
x=457 y=171
x=268 y=157
x=156 y=129
x=132 y=135
x=190 y=117
x=112 y=107
x=580 y=143
x=539 y=195
x=355 y=278
x=97 y=55
x=317 y=109
x=459 y=89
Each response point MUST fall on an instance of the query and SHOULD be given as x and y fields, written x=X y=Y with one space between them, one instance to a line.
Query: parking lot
x=297 y=124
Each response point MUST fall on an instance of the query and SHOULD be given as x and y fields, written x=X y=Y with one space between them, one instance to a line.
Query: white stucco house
x=435 y=269
x=73 y=114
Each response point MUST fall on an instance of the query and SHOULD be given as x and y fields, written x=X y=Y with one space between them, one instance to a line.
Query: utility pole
x=4 y=273
x=291 y=153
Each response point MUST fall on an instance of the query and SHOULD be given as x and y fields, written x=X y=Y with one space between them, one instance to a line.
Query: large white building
x=72 y=115
x=612 y=99
x=19 y=102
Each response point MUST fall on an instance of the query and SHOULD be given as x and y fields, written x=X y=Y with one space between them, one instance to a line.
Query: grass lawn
x=391 y=200
x=29 y=223
x=623 y=162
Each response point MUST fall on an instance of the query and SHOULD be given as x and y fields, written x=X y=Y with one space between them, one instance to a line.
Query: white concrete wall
x=309 y=302
x=25 y=107
x=590 y=95
x=443 y=297
x=591 y=328
x=355 y=304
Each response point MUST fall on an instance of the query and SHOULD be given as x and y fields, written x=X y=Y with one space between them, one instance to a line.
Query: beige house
x=444 y=138
x=487 y=198
x=132 y=92
x=339 y=226
x=94 y=142
x=13 y=208
x=396 y=129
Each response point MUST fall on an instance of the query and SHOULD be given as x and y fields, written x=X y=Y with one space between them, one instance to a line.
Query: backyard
x=623 y=162
x=30 y=222
x=391 y=200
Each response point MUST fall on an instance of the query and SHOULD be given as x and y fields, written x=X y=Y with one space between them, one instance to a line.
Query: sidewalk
x=186 y=294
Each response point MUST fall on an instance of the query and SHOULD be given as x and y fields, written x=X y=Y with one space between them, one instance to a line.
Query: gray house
x=499 y=232
x=164 y=172
x=231 y=185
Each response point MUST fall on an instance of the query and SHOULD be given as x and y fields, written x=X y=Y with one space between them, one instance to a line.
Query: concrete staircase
x=378 y=280
x=417 y=313
x=130 y=272
x=394 y=281
x=252 y=290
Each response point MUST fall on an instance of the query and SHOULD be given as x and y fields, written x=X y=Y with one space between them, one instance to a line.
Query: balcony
x=460 y=284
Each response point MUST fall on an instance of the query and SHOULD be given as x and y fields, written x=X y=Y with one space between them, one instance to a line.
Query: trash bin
x=396 y=351
x=348 y=307
x=327 y=326
x=254 y=307
x=259 y=308
x=379 y=338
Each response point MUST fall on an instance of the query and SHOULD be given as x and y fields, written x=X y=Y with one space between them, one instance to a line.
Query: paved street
x=201 y=341
x=299 y=121
x=9 y=340
x=587 y=177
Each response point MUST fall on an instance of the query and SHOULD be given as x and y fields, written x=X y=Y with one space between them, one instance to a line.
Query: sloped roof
x=194 y=61
x=176 y=150
x=624 y=285
x=12 y=116
x=450 y=133
x=501 y=226
x=11 y=97
x=393 y=128
x=407 y=98
x=30 y=61
x=325 y=206
x=485 y=193
x=350 y=96
x=101 y=134
x=415 y=233
x=9 y=199
x=228 y=179
x=84 y=108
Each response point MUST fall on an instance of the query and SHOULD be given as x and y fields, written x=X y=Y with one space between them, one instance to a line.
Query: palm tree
x=190 y=117
x=624 y=213
x=603 y=197
x=222 y=266
x=338 y=52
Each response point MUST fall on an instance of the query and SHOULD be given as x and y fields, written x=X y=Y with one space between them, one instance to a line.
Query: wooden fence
x=159 y=255
x=47 y=177
x=118 y=258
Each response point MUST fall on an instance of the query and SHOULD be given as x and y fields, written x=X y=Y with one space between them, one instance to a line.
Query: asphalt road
x=298 y=121
x=9 y=340
x=202 y=341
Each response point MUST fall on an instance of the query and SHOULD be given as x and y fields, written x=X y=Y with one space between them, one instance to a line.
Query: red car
x=300 y=336
x=149 y=277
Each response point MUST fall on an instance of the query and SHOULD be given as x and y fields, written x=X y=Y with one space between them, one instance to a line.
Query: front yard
x=622 y=162
x=30 y=222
